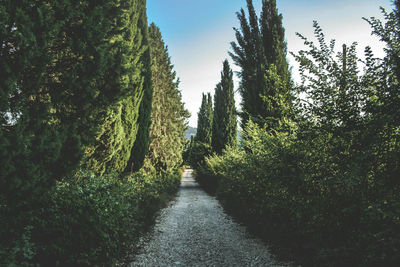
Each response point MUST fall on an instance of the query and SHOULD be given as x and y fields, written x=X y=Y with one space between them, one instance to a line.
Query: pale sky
x=198 y=34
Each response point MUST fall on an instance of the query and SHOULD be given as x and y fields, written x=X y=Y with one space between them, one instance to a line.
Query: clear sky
x=198 y=34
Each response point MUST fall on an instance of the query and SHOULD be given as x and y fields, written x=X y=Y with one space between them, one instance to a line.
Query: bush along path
x=194 y=231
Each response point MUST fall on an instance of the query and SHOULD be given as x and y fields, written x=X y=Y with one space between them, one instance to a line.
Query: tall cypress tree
x=31 y=140
x=113 y=144
x=204 y=121
x=260 y=52
x=202 y=141
x=273 y=39
x=247 y=54
x=168 y=114
x=201 y=120
x=224 y=125
x=141 y=145
x=209 y=118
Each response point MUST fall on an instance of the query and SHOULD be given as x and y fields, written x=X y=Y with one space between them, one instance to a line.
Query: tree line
x=316 y=171
x=89 y=104
x=217 y=123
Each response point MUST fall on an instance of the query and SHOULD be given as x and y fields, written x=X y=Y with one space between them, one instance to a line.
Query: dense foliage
x=224 y=126
x=75 y=95
x=142 y=141
x=167 y=131
x=94 y=220
x=324 y=183
x=54 y=57
x=115 y=138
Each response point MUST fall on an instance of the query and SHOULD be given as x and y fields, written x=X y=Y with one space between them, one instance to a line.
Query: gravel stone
x=194 y=230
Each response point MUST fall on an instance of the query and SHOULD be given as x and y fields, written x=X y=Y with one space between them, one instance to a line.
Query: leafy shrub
x=294 y=190
x=199 y=151
x=89 y=220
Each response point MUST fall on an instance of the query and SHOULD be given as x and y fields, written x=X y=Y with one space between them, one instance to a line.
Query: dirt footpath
x=195 y=231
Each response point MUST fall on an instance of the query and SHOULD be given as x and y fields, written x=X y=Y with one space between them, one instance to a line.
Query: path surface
x=195 y=231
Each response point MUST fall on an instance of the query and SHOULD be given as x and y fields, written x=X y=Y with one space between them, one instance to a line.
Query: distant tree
x=187 y=153
x=224 y=127
x=204 y=121
x=260 y=51
x=191 y=144
x=201 y=147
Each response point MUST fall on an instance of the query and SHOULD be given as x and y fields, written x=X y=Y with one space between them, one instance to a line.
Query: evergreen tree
x=204 y=121
x=187 y=150
x=202 y=141
x=273 y=39
x=260 y=52
x=168 y=115
x=64 y=63
x=190 y=149
x=113 y=144
x=247 y=54
x=24 y=110
x=224 y=125
x=141 y=145
x=66 y=67
x=210 y=118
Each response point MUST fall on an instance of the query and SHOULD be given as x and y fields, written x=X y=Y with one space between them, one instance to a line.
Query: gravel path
x=195 y=231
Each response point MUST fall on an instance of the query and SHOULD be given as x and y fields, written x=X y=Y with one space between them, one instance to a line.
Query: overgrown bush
x=294 y=191
x=94 y=220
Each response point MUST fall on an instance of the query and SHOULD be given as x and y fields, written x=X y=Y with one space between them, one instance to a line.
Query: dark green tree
x=68 y=68
x=352 y=117
x=168 y=115
x=260 y=52
x=29 y=144
x=113 y=144
x=187 y=151
x=190 y=149
x=141 y=145
x=204 y=121
x=224 y=127
x=64 y=64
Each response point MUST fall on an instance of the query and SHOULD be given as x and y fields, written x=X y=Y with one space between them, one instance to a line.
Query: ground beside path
x=194 y=230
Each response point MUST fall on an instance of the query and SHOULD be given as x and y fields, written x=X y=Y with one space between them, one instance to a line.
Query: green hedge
x=295 y=191
x=89 y=221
